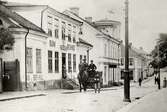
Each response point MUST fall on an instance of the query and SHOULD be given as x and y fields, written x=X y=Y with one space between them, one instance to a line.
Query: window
x=69 y=63
x=63 y=30
x=49 y=32
x=105 y=74
x=84 y=57
x=69 y=32
x=74 y=63
x=50 y=62
x=130 y=61
x=105 y=49
x=56 y=25
x=1 y=23
x=38 y=61
x=56 y=62
x=49 y=20
x=122 y=61
x=80 y=58
x=29 y=60
x=74 y=34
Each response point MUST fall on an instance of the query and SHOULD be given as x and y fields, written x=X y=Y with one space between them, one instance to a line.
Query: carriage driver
x=83 y=66
x=92 y=69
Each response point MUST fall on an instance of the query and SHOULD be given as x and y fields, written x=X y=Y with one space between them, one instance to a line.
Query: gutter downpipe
x=26 y=87
x=42 y=12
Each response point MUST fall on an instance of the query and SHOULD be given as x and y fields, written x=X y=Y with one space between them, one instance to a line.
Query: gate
x=11 y=76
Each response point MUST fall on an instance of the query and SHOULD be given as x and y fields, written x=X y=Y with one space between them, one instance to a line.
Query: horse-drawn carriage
x=89 y=79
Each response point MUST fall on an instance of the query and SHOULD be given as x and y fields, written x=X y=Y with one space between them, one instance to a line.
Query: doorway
x=64 y=71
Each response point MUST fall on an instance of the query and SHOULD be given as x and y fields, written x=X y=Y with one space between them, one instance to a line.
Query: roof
x=106 y=22
x=18 y=5
x=19 y=19
x=85 y=42
x=92 y=25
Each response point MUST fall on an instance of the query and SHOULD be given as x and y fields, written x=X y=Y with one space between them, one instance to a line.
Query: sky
x=147 y=18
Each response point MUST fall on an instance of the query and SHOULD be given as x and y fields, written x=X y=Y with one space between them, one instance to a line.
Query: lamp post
x=159 y=81
x=126 y=72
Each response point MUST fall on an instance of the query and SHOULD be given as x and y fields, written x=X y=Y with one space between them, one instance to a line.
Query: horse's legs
x=95 y=84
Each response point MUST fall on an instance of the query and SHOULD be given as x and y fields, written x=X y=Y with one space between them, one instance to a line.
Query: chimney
x=88 y=19
x=141 y=48
x=75 y=10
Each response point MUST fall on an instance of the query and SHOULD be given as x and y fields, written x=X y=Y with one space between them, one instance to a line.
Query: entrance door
x=11 y=77
x=64 y=65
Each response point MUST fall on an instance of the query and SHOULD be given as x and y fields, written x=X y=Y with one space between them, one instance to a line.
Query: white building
x=138 y=63
x=61 y=48
x=105 y=51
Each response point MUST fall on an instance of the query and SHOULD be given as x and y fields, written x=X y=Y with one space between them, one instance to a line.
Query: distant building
x=106 y=45
x=138 y=63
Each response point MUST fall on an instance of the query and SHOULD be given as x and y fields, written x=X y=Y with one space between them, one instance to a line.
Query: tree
x=159 y=53
x=6 y=39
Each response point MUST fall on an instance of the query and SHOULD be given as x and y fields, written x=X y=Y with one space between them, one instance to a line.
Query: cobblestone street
x=110 y=99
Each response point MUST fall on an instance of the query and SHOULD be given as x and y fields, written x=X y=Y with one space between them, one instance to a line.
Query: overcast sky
x=147 y=18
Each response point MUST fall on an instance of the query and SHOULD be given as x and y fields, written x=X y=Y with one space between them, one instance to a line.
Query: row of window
x=111 y=50
x=51 y=60
x=53 y=27
x=56 y=62
x=131 y=61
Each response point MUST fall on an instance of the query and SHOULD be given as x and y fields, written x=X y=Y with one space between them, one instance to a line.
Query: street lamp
x=126 y=72
x=159 y=81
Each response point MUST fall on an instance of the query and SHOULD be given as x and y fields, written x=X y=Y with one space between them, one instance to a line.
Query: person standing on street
x=140 y=81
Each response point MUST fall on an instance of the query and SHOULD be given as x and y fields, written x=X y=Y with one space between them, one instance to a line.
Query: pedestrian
x=140 y=81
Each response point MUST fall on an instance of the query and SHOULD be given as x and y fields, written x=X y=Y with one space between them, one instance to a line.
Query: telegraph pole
x=126 y=72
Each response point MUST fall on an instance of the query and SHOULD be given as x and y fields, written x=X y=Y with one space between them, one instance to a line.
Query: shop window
x=50 y=67
x=74 y=63
x=69 y=63
x=29 y=60
x=56 y=62
x=38 y=61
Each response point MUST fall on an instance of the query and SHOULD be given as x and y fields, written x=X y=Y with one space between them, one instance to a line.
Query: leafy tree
x=6 y=39
x=160 y=52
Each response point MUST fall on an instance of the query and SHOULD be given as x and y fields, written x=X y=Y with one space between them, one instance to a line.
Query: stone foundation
x=42 y=85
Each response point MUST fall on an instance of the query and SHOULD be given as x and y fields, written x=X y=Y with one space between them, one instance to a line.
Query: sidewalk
x=4 y=96
x=154 y=102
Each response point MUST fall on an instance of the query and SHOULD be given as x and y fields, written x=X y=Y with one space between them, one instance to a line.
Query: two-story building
x=106 y=51
x=138 y=63
x=63 y=49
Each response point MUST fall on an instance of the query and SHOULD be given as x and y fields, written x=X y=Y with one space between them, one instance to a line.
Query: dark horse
x=83 y=78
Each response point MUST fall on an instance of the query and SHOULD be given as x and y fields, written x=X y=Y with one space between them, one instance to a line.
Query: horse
x=83 y=78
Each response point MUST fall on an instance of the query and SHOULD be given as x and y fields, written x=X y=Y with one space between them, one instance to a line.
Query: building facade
x=138 y=63
x=106 y=51
x=59 y=55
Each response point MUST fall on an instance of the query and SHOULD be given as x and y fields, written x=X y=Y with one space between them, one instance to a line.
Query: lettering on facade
x=52 y=43
x=68 y=47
